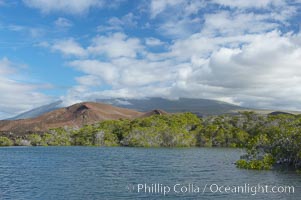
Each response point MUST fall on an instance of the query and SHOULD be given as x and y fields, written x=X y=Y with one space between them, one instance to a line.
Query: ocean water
x=44 y=173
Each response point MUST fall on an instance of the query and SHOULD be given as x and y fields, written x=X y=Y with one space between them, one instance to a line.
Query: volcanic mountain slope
x=76 y=115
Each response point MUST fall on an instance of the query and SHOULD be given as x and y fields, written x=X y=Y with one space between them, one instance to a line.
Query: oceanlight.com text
x=214 y=188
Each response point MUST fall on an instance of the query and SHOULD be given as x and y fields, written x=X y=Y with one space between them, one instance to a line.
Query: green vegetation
x=274 y=141
x=270 y=140
x=4 y=141
x=265 y=163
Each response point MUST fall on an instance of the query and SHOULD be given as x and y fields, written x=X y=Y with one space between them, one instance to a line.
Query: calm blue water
x=114 y=173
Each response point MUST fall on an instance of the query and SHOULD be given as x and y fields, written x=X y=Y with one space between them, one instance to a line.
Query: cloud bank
x=240 y=54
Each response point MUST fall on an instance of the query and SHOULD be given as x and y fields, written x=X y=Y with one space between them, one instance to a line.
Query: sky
x=245 y=52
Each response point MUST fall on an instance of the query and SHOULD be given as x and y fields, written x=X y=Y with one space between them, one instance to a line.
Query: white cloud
x=237 y=23
x=17 y=96
x=112 y=46
x=183 y=7
x=179 y=27
x=69 y=47
x=158 y=6
x=104 y=71
x=89 y=80
x=180 y=19
x=250 y=3
x=6 y=66
x=126 y=72
x=153 y=42
x=32 y=31
x=70 y=6
x=117 y=24
x=116 y=45
x=63 y=23
x=177 y=17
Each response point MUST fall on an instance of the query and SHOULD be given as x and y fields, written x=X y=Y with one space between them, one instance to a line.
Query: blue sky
x=243 y=52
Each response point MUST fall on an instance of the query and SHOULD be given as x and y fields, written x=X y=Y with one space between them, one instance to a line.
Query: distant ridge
x=38 y=111
x=198 y=106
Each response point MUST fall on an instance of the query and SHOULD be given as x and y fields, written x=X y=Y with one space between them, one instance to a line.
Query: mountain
x=280 y=113
x=154 y=112
x=38 y=111
x=75 y=116
x=198 y=106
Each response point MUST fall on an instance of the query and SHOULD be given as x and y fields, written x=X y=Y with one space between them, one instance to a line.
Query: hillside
x=76 y=115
